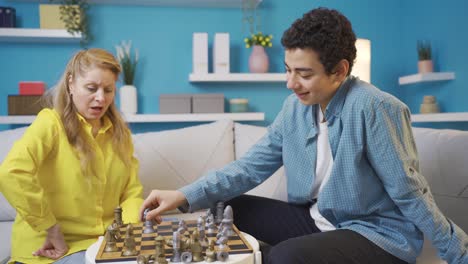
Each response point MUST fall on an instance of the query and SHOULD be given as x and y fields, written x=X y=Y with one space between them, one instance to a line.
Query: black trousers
x=288 y=234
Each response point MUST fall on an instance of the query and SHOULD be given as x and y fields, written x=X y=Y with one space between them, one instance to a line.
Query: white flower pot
x=128 y=99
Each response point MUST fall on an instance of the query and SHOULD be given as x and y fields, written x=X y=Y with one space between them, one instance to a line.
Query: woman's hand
x=160 y=201
x=54 y=246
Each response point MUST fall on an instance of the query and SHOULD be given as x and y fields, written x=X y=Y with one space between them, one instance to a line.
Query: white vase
x=128 y=99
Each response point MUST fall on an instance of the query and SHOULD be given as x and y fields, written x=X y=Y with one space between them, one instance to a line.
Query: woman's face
x=93 y=93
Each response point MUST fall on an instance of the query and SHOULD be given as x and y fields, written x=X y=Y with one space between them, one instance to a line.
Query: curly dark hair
x=325 y=31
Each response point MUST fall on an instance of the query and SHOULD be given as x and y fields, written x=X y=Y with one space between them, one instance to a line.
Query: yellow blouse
x=42 y=178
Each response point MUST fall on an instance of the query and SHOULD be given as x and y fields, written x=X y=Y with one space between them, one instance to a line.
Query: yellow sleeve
x=18 y=172
x=132 y=197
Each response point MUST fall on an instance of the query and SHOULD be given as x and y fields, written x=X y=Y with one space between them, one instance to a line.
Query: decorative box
x=31 y=88
x=24 y=104
x=238 y=105
x=50 y=17
x=175 y=103
x=208 y=103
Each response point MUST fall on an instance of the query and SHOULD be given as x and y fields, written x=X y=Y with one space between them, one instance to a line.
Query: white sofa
x=170 y=159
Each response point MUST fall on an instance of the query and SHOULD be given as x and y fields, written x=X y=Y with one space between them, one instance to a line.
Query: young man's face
x=93 y=93
x=307 y=78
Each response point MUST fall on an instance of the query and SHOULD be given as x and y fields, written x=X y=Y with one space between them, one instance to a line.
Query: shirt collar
x=107 y=124
x=336 y=103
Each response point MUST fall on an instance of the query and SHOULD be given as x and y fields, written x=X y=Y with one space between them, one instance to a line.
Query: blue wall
x=163 y=36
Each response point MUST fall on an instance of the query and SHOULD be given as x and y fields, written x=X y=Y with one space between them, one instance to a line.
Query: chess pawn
x=129 y=242
x=210 y=252
x=118 y=216
x=148 y=226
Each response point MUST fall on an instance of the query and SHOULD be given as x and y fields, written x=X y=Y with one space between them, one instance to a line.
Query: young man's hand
x=54 y=246
x=160 y=201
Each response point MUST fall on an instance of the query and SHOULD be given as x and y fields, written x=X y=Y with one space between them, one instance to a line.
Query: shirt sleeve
x=18 y=172
x=131 y=198
x=392 y=152
x=238 y=177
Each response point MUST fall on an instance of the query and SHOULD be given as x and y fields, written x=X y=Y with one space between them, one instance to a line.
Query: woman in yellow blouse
x=73 y=166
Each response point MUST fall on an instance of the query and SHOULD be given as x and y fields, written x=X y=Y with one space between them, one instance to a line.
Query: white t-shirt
x=322 y=171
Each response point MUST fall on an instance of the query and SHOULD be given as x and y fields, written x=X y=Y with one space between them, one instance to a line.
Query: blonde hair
x=60 y=99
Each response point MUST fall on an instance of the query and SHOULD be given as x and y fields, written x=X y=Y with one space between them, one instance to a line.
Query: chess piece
x=142 y=259
x=210 y=252
x=222 y=254
x=118 y=216
x=159 y=243
x=228 y=220
x=182 y=227
x=129 y=246
x=210 y=224
x=112 y=236
x=161 y=260
x=196 y=247
x=201 y=231
x=222 y=233
x=176 y=247
x=201 y=222
x=219 y=212
x=186 y=257
x=148 y=226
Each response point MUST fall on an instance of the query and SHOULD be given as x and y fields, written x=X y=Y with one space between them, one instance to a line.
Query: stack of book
x=29 y=101
x=7 y=17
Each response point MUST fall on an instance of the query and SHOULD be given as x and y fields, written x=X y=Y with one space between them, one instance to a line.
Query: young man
x=354 y=188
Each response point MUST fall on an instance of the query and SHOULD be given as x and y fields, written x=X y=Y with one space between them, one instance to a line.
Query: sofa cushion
x=443 y=155
x=273 y=187
x=7 y=139
x=173 y=158
x=444 y=160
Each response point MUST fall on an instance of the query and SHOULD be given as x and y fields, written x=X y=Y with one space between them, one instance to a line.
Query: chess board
x=237 y=243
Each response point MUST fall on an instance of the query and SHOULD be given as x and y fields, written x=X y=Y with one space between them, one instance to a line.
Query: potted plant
x=128 y=61
x=425 y=64
x=258 y=60
x=73 y=14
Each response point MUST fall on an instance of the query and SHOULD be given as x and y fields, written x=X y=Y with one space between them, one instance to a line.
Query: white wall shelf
x=181 y=3
x=426 y=77
x=440 y=117
x=37 y=35
x=158 y=118
x=238 y=77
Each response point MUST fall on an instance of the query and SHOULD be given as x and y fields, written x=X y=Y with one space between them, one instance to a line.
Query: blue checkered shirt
x=375 y=187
